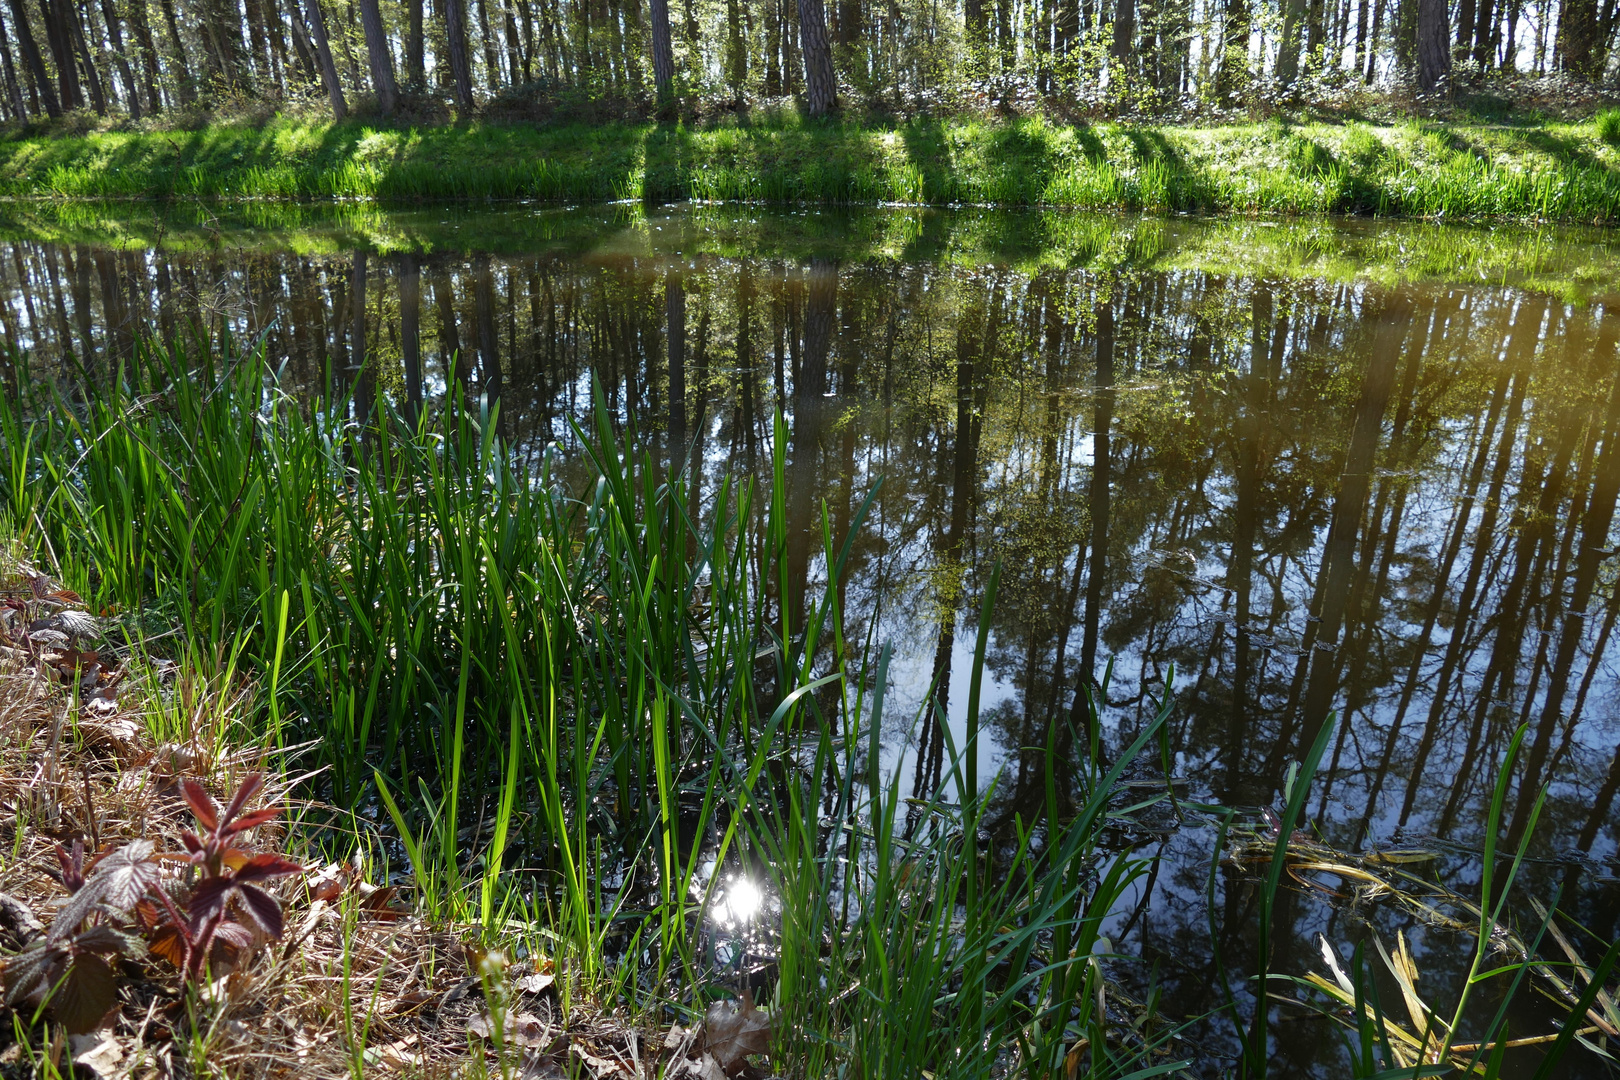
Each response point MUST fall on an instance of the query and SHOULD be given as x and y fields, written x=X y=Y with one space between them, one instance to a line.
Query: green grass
x=1547 y=171
x=1607 y=126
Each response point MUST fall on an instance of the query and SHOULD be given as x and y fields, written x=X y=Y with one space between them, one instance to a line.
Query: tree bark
x=820 y=87
x=455 y=32
x=184 y=86
x=663 y=57
x=415 y=47
x=141 y=28
x=81 y=45
x=382 y=60
x=1287 y=66
x=1578 y=39
x=115 y=35
x=30 y=54
x=323 y=56
x=13 y=89
x=1433 y=44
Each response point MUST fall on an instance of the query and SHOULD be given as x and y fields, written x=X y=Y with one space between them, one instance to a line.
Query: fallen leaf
x=520 y=1029
x=602 y=1068
x=731 y=1033
x=98 y=1051
x=535 y=983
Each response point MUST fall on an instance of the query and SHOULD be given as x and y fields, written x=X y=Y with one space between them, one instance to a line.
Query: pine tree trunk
x=663 y=58
x=820 y=88
x=182 y=78
x=61 y=42
x=115 y=35
x=142 y=29
x=492 y=59
x=1287 y=67
x=323 y=55
x=13 y=90
x=1578 y=39
x=81 y=46
x=455 y=32
x=1433 y=44
x=415 y=47
x=382 y=60
x=30 y=54
x=1232 y=78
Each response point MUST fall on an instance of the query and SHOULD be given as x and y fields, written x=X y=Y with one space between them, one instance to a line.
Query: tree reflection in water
x=1307 y=493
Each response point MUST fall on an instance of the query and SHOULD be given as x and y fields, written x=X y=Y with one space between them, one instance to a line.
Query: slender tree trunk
x=1287 y=65
x=31 y=58
x=820 y=87
x=380 y=56
x=1578 y=42
x=115 y=36
x=1372 y=48
x=455 y=32
x=184 y=86
x=81 y=45
x=323 y=56
x=141 y=28
x=663 y=57
x=415 y=47
x=492 y=57
x=13 y=89
x=61 y=42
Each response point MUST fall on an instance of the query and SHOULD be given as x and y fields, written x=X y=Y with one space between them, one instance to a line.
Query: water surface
x=1300 y=470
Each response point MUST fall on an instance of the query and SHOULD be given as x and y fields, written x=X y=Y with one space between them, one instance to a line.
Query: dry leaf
x=731 y=1033
x=535 y=983
x=98 y=1052
x=602 y=1068
x=520 y=1029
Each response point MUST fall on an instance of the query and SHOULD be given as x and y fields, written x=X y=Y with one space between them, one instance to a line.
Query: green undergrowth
x=1545 y=171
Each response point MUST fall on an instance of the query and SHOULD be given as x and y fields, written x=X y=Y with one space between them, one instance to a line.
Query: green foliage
x=1607 y=126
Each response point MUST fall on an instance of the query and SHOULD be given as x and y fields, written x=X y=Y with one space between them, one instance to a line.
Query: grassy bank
x=1543 y=171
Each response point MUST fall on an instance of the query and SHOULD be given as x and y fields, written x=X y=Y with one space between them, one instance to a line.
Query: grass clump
x=1607 y=126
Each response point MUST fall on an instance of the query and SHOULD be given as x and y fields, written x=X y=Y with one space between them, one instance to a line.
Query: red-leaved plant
x=212 y=920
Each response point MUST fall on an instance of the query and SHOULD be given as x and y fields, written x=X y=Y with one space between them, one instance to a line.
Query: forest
x=434 y=59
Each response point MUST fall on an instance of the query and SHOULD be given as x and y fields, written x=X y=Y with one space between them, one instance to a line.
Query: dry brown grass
x=95 y=739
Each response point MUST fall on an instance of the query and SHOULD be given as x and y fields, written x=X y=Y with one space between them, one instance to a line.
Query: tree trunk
x=455 y=32
x=60 y=38
x=492 y=58
x=663 y=57
x=1232 y=77
x=415 y=47
x=13 y=89
x=1434 y=44
x=81 y=45
x=142 y=29
x=1287 y=67
x=1578 y=39
x=116 y=36
x=30 y=54
x=382 y=60
x=820 y=88
x=182 y=78
x=323 y=56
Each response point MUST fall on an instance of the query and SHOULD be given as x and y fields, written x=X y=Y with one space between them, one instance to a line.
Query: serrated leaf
x=38 y=963
x=107 y=939
x=86 y=995
x=126 y=875
x=262 y=908
x=266 y=865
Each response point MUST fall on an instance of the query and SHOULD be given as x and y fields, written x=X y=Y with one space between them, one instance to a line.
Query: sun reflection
x=741 y=902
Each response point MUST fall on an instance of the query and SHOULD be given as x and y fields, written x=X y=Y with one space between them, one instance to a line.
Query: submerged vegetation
x=1544 y=171
x=625 y=753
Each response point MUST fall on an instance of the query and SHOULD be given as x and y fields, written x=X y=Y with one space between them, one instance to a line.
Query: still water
x=1303 y=471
